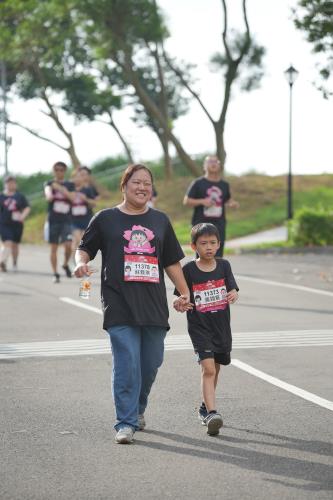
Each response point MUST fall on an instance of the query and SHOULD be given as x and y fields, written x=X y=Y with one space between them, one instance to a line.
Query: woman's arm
x=81 y=259
x=176 y=275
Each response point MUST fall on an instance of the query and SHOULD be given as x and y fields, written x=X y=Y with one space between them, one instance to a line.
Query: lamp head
x=291 y=74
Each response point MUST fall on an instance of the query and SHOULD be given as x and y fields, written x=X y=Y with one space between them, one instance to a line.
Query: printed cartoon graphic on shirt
x=79 y=205
x=210 y=296
x=61 y=205
x=11 y=206
x=139 y=238
x=139 y=267
x=215 y=194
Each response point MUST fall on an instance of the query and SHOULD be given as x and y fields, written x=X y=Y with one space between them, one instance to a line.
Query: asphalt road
x=56 y=413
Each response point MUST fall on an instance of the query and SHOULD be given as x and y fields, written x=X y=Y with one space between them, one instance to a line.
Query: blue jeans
x=137 y=353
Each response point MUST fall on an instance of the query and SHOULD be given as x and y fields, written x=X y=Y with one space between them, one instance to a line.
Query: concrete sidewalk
x=270 y=236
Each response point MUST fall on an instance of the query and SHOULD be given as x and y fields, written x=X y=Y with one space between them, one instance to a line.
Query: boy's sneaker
x=56 y=278
x=202 y=413
x=3 y=267
x=125 y=435
x=141 y=422
x=214 y=423
x=67 y=271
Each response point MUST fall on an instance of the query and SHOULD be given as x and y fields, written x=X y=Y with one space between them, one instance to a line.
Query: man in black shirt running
x=209 y=195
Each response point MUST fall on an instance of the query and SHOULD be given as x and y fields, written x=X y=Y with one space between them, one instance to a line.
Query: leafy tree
x=40 y=67
x=240 y=63
x=84 y=100
x=315 y=19
x=162 y=88
x=120 y=31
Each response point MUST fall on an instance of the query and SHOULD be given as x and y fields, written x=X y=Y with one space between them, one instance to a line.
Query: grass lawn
x=262 y=203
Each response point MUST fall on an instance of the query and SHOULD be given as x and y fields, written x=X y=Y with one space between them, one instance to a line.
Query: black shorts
x=11 y=232
x=56 y=232
x=222 y=358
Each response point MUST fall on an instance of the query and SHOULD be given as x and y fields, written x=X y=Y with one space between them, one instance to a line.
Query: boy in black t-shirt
x=212 y=287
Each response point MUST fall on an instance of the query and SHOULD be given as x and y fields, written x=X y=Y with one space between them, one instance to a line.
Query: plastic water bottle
x=85 y=288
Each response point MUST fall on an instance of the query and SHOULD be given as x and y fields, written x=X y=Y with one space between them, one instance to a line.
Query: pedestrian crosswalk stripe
x=241 y=340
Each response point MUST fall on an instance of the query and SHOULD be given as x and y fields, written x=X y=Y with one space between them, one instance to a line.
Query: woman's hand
x=81 y=270
x=232 y=296
x=182 y=304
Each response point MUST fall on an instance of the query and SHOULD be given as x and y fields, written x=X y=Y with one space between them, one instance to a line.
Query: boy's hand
x=232 y=296
x=182 y=304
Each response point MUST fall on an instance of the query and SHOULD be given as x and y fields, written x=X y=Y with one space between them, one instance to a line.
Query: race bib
x=210 y=296
x=61 y=207
x=141 y=268
x=213 y=211
x=16 y=216
x=79 y=210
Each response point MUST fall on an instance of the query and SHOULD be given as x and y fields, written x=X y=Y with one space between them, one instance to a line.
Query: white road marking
x=308 y=396
x=248 y=340
x=77 y=303
x=285 y=285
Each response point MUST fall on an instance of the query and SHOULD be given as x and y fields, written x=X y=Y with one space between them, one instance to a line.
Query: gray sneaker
x=125 y=435
x=214 y=422
x=141 y=422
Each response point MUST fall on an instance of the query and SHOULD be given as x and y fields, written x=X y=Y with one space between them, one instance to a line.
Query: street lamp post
x=291 y=74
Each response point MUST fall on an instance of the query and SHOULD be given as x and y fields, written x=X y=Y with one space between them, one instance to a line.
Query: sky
x=257 y=128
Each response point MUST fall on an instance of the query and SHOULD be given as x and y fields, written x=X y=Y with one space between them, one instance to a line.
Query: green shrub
x=311 y=227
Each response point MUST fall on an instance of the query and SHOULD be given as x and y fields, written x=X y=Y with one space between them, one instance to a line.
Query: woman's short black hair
x=204 y=228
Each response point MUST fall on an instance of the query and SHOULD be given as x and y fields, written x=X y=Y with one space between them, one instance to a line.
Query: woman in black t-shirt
x=137 y=244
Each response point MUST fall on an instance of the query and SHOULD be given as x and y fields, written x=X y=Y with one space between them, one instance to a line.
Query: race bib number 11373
x=210 y=296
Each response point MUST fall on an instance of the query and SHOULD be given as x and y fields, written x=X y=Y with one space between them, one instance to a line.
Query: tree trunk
x=153 y=111
x=122 y=139
x=168 y=168
x=220 y=147
x=72 y=154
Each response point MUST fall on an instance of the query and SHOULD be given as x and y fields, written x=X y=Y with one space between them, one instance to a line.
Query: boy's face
x=206 y=246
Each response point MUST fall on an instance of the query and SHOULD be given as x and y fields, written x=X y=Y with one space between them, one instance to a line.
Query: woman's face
x=138 y=189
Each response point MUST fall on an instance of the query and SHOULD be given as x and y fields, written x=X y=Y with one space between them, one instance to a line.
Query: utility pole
x=3 y=116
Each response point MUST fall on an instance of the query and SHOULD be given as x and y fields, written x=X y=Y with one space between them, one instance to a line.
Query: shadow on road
x=317 y=476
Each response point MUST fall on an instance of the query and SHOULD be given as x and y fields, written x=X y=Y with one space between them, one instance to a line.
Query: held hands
x=232 y=296
x=182 y=304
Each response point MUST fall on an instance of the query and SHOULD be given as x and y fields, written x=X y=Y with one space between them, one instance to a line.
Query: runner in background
x=89 y=180
x=14 y=208
x=209 y=195
x=151 y=203
x=84 y=201
x=58 y=229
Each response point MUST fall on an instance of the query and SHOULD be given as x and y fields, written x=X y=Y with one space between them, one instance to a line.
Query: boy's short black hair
x=86 y=169
x=204 y=228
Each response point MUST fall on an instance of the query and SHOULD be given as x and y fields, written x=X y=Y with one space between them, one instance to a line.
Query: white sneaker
x=125 y=435
x=141 y=422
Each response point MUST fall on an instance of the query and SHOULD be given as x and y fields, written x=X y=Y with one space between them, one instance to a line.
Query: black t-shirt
x=59 y=209
x=11 y=206
x=81 y=211
x=135 y=250
x=218 y=191
x=209 y=321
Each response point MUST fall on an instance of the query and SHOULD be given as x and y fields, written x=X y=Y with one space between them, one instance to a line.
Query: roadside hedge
x=311 y=226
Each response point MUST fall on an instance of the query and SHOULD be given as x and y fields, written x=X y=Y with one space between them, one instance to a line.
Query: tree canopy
x=315 y=19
